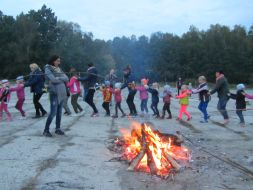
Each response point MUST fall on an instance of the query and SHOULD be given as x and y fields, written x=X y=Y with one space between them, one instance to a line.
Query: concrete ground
x=80 y=159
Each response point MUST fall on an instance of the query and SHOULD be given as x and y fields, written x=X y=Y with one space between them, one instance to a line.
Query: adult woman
x=56 y=80
x=36 y=82
x=221 y=87
x=90 y=82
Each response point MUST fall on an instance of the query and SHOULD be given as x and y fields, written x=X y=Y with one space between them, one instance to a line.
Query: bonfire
x=150 y=151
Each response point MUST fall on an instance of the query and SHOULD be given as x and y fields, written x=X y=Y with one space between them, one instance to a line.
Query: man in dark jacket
x=222 y=90
x=129 y=83
x=90 y=82
x=36 y=82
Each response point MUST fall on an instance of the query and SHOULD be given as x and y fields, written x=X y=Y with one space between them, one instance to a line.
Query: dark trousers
x=154 y=108
x=118 y=106
x=166 y=107
x=37 y=105
x=221 y=106
x=240 y=115
x=131 y=105
x=89 y=100
x=202 y=107
x=106 y=106
x=19 y=106
x=55 y=110
x=75 y=104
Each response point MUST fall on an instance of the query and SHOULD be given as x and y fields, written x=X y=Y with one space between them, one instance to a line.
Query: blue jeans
x=202 y=107
x=55 y=110
x=221 y=106
x=240 y=115
x=144 y=105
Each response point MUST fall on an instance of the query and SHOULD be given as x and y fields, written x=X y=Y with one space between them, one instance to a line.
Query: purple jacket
x=143 y=92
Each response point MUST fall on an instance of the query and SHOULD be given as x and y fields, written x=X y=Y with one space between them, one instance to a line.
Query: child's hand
x=146 y=86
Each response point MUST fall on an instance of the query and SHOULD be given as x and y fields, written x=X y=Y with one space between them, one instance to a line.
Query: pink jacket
x=249 y=96
x=20 y=89
x=143 y=92
x=74 y=85
x=117 y=95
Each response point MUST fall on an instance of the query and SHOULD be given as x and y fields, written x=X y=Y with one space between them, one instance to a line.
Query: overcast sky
x=109 y=18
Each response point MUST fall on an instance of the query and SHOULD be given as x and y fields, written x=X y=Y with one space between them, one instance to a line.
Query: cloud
x=110 y=18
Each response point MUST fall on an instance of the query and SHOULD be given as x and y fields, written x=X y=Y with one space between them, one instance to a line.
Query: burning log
x=141 y=154
x=173 y=162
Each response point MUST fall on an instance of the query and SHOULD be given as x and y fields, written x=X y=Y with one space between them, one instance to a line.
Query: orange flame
x=156 y=145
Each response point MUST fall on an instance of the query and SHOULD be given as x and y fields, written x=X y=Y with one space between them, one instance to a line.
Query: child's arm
x=233 y=96
x=248 y=96
x=71 y=82
x=182 y=95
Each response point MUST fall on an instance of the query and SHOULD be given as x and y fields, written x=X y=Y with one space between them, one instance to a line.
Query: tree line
x=36 y=35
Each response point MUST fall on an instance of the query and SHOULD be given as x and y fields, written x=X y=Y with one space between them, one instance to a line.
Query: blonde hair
x=203 y=78
x=34 y=66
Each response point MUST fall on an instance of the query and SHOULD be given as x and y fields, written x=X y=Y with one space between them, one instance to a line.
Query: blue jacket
x=36 y=81
x=155 y=95
x=91 y=79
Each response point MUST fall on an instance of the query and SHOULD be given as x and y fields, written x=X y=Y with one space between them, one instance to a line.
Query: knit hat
x=240 y=87
x=4 y=81
x=167 y=88
x=144 y=81
x=117 y=85
x=107 y=83
x=20 y=78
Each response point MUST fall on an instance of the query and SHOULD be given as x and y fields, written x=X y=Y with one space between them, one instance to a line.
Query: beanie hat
x=240 y=87
x=20 y=78
x=4 y=81
x=117 y=85
x=167 y=88
x=107 y=83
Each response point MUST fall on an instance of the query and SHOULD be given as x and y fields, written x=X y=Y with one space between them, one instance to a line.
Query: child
x=4 y=99
x=143 y=96
x=20 y=90
x=184 y=102
x=107 y=96
x=155 y=98
x=166 y=100
x=74 y=87
x=118 y=99
x=204 y=97
x=130 y=99
x=240 y=102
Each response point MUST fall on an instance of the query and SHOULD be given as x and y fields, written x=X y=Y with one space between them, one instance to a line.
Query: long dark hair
x=53 y=59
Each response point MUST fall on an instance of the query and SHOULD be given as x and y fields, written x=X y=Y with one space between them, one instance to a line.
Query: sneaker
x=43 y=114
x=47 y=134
x=169 y=117
x=178 y=119
x=189 y=119
x=94 y=114
x=59 y=132
x=242 y=124
x=75 y=115
x=114 y=116
x=162 y=117
x=203 y=121
x=226 y=121
x=107 y=115
x=123 y=115
x=22 y=118
x=36 y=117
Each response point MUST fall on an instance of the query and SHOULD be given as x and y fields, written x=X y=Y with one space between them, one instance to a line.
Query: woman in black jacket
x=36 y=82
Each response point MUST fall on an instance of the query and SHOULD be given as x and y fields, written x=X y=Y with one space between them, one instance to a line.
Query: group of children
x=108 y=92
x=5 y=94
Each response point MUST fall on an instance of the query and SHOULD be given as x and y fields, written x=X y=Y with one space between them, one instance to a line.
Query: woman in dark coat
x=36 y=82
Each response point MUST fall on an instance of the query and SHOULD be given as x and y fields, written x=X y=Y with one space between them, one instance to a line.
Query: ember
x=151 y=151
